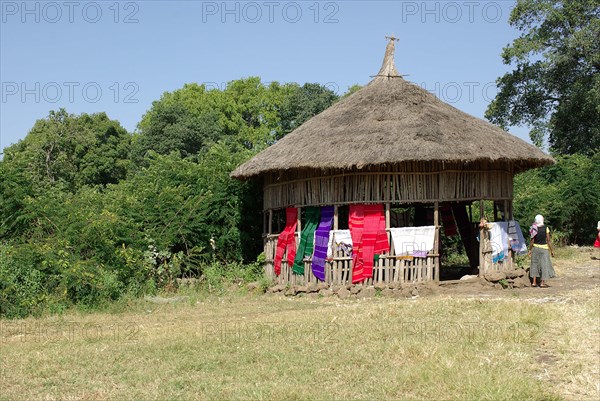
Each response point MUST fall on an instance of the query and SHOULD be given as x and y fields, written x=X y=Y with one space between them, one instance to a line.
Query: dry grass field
x=528 y=344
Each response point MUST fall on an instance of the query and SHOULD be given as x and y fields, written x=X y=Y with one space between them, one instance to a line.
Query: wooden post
x=495 y=211
x=299 y=224
x=335 y=217
x=481 y=232
x=436 y=241
x=507 y=218
x=387 y=216
x=270 y=225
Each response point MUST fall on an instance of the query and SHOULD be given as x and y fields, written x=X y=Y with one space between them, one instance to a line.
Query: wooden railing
x=338 y=269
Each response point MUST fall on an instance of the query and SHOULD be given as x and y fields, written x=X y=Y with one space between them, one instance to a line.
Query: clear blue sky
x=119 y=57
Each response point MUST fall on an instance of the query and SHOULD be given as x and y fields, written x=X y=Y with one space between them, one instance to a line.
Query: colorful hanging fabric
x=367 y=227
x=448 y=221
x=307 y=238
x=322 y=242
x=287 y=239
x=356 y=221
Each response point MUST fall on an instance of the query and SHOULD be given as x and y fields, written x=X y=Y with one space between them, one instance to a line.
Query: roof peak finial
x=388 y=67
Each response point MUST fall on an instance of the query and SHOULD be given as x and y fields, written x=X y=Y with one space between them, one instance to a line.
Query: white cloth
x=407 y=240
x=499 y=240
x=516 y=238
x=539 y=220
x=337 y=237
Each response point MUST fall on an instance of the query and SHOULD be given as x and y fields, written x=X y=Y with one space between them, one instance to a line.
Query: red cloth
x=448 y=221
x=367 y=228
x=287 y=240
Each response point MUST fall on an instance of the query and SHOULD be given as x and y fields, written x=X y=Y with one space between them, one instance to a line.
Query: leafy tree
x=566 y=194
x=555 y=84
x=172 y=127
x=72 y=151
x=304 y=102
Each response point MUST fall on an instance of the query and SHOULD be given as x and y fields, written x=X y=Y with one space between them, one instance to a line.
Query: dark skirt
x=541 y=264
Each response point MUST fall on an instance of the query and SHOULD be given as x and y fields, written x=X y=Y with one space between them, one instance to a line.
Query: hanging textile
x=413 y=241
x=307 y=238
x=340 y=240
x=287 y=239
x=322 y=242
x=367 y=227
x=516 y=238
x=448 y=221
x=499 y=241
x=356 y=225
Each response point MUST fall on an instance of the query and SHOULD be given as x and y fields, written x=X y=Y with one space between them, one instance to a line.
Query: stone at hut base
x=312 y=295
x=395 y=285
x=277 y=288
x=253 y=286
x=367 y=292
x=343 y=293
x=521 y=282
x=388 y=292
x=414 y=292
x=291 y=291
x=521 y=272
x=495 y=276
x=355 y=289
x=514 y=273
x=322 y=285
x=301 y=288
x=325 y=292
x=312 y=287
x=380 y=286
x=406 y=292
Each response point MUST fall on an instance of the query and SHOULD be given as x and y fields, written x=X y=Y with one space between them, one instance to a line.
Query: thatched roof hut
x=390 y=142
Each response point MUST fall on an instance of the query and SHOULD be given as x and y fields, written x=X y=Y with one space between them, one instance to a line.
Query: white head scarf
x=539 y=220
x=598 y=225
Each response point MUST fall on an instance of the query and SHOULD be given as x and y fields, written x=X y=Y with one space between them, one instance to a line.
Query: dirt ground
x=577 y=272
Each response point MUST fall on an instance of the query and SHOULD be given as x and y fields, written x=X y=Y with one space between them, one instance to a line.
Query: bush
x=566 y=194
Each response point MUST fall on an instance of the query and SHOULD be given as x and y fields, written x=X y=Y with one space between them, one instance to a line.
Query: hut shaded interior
x=392 y=144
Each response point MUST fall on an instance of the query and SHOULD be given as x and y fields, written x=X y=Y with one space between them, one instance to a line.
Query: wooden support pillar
x=495 y=211
x=335 y=218
x=299 y=224
x=507 y=218
x=387 y=216
x=270 y=224
x=436 y=241
x=481 y=239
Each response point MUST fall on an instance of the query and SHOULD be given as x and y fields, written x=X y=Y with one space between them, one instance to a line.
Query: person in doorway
x=540 y=251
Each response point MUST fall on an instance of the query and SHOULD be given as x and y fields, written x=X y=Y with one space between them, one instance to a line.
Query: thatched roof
x=388 y=122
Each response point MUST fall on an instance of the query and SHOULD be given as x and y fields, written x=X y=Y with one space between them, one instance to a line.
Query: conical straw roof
x=388 y=122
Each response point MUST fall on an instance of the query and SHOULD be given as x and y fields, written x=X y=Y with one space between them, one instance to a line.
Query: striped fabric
x=287 y=239
x=369 y=238
x=322 y=242
x=307 y=238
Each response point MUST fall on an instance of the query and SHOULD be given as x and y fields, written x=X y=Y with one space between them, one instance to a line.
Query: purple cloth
x=420 y=254
x=322 y=242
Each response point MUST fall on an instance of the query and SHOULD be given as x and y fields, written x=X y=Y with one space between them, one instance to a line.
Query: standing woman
x=540 y=252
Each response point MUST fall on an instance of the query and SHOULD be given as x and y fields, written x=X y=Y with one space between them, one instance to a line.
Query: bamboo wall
x=386 y=187
x=338 y=271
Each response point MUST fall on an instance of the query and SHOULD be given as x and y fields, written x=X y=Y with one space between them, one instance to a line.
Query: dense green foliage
x=555 y=85
x=90 y=212
x=566 y=194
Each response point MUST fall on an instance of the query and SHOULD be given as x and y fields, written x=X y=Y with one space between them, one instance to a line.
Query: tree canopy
x=555 y=85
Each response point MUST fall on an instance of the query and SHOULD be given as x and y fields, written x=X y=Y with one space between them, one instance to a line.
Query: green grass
x=233 y=345
x=272 y=348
